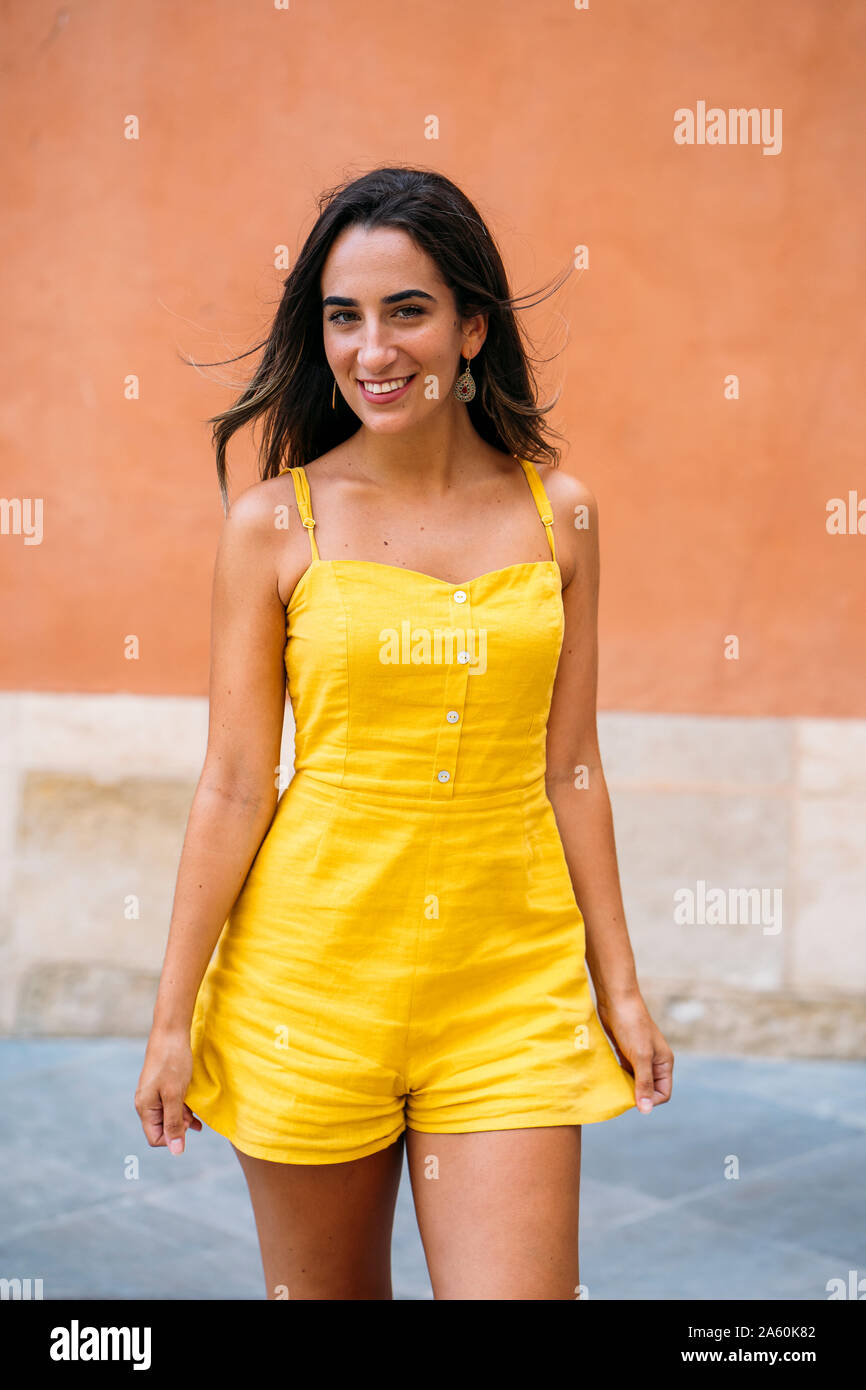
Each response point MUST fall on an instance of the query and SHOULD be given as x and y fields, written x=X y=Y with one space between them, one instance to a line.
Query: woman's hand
x=641 y=1049
x=163 y=1083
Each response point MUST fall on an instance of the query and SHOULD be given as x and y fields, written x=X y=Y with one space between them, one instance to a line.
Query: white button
x=460 y=596
x=444 y=776
x=463 y=657
x=452 y=716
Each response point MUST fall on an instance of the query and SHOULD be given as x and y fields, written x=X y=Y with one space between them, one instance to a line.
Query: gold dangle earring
x=334 y=395
x=464 y=386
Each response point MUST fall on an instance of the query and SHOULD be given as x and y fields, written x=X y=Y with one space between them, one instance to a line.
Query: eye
x=343 y=315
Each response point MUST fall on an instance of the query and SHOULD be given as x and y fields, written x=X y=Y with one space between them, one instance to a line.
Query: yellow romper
x=407 y=948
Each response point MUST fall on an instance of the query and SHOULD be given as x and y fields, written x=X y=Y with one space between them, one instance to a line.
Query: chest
x=386 y=633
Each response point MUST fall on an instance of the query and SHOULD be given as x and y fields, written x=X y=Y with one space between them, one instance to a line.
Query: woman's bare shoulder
x=253 y=508
x=262 y=529
x=575 y=515
x=565 y=491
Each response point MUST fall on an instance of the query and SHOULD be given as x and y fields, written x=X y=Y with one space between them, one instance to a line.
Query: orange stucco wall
x=704 y=261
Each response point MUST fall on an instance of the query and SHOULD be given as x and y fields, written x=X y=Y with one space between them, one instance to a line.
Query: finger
x=663 y=1073
x=151 y=1123
x=173 y=1121
x=644 y=1084
x=189 y=1119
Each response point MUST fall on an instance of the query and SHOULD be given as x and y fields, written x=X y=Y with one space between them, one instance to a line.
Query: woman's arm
x=235 y=798
x=581 y=804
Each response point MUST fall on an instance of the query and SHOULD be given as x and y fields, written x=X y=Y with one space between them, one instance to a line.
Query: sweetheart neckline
x=420 y=574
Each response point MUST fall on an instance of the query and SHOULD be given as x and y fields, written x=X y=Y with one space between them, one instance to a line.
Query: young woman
x=401 y=958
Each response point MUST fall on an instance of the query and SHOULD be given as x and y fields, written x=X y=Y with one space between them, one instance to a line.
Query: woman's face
x=387 y=316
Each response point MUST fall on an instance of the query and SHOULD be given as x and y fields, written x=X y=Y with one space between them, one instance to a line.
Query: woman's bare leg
x=498 y=1211
x=325 y=1228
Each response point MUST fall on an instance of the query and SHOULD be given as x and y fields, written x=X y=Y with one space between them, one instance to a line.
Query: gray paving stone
x=112 y=1253
x=46 y=1188
x=607 y=1204
x=824 y=1089
x=816 y=1200
x=683 y=1146
x=217 y=1198
x=679 y=1254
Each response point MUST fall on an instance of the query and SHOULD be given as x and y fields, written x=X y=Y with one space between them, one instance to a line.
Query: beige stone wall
x=741 y=804
x=96 y=790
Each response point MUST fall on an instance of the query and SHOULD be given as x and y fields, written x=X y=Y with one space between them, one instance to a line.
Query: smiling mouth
x=384 y=388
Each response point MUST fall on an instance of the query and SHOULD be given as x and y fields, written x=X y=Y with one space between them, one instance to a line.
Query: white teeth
x=381 y=388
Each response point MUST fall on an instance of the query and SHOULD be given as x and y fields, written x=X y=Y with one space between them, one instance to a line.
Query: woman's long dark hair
x=291 y=387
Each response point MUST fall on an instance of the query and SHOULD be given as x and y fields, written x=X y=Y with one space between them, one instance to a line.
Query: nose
x=376 y=354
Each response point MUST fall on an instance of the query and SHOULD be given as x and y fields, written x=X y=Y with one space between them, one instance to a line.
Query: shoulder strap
x=302 y=497
x=545 y=511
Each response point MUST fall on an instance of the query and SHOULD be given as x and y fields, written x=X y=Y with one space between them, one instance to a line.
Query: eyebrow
x=386 y=299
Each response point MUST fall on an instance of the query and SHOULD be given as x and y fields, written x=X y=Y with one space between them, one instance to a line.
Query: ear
x=474 y=330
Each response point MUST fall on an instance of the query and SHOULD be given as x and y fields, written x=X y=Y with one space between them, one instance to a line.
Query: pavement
x=747 y=1185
